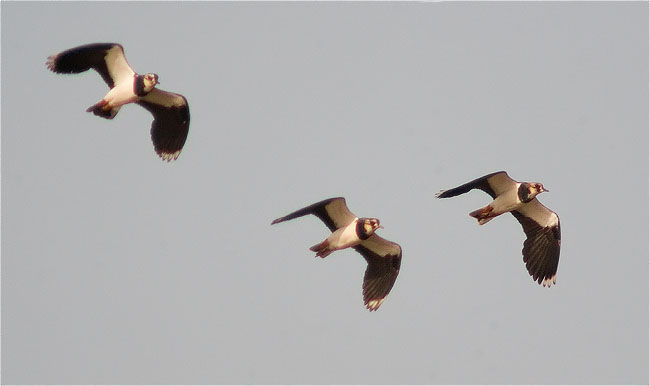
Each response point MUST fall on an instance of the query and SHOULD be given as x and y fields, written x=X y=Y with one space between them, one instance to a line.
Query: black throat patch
x=361 y=231
x=523 y=192
x=138 y=85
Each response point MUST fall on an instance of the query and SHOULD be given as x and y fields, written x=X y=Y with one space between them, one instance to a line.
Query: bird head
x=528 y=190
x=535 y=188
x=370 y=225
x=150 y=81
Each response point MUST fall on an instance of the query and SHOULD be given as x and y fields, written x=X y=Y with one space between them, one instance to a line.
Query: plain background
x=119 y=268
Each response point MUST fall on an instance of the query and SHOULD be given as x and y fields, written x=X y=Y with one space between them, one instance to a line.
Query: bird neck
x=524 y=192
x=361 y=230
x=138 y=86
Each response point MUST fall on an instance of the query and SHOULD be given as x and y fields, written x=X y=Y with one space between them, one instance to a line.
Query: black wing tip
x=542 y=269
x=443 y=194
x=374 y=304
x=168 y=151
x=548 y=282
x=545 y=280
x=50 y=63
x=169 y=155
x=76 y=60
x=277 y=220
x=374 y=301
x=453 y=192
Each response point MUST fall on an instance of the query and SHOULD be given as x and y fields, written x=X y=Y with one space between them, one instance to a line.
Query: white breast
x=344 y=237
x=507 y=201
x=121 y=94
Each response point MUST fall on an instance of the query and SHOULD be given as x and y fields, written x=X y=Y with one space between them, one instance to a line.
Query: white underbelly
x=506 y=202
x=121 y=95
x=344 y=237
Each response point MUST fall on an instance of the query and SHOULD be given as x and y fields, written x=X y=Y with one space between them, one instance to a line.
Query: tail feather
x=321 y=249
x=483 y=215
x=99 y=110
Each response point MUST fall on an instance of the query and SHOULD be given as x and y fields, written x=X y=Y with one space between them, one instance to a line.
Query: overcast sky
x=119 y=268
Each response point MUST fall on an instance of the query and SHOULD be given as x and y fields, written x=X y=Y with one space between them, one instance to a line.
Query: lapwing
x=349 y=231
x=171 y=113
x=542 y=226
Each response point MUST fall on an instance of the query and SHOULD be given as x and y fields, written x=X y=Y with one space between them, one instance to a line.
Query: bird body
x=123 y=78
x=171 y=114
x=349 y=231
x=503 y=203
x=122 y=93
x=541 y=250
x=344 y=237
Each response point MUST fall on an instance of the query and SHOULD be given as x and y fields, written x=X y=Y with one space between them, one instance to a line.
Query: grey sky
x=119 y=268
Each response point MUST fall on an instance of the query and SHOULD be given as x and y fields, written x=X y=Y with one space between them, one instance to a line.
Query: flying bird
x=542 y=226
x=171 y=113
x=349 y=231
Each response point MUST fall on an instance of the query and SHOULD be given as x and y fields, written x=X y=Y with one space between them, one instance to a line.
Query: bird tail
x=100 y=110
x=483 y=215
x=321 y=249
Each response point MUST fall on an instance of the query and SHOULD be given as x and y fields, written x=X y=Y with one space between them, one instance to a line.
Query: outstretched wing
x=493 y=184
x=333 y=212
x=106 y=58
x=384 y=259
x=542 y=246
x=171 y=122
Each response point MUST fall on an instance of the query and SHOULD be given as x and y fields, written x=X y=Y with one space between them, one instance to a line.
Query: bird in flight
x=542 y=226
x=171 y=113
x=349 y=231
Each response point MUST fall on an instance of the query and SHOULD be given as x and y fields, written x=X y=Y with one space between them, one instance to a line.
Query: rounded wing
x=384 y=260
x=171 y=122
x=332 y=211
x=106 y=58
x=493 y=184
x=542 y=246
